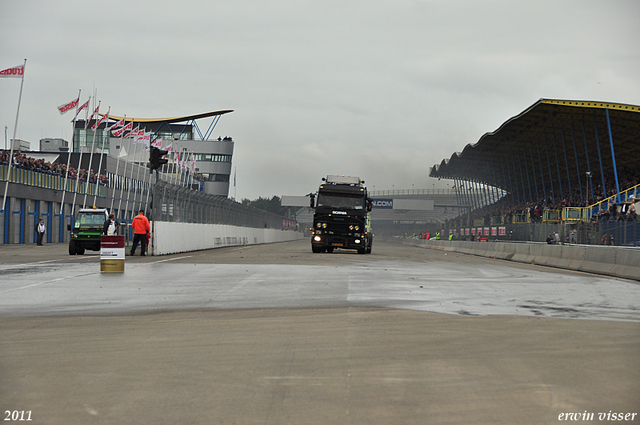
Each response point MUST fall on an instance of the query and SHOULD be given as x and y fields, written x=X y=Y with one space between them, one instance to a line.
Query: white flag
x=14 y=72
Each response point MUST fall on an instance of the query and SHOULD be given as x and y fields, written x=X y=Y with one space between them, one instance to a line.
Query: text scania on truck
x=342 y=216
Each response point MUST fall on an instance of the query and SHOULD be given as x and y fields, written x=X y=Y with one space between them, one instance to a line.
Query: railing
x=415 y=192
x=552 y=216
x=573 y=214
x=626 y=195
x=49 y=181
x=521 y=218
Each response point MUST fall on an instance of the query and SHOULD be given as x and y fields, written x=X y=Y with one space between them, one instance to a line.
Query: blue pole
x=535 y=178
x=613 y=157
x=555 y=149
x=544 y=187
x=526 y=167
x=575 y=151
x=604 y=185
x=7 y=220
x=586 y=151
x=566 y=164
x=49 y=220
x=36 y=219
x=515 y=177
x=501 y=184
x=61 y=225
x=508 y=183
x=23 y=218
x=553 y=194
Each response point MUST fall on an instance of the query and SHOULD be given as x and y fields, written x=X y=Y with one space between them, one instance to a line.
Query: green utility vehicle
x=87 y=230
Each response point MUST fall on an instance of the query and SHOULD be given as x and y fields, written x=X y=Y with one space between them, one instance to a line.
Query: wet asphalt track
x=288 y=275
x=275 y=334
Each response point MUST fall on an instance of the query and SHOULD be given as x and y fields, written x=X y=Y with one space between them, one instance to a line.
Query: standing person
x=141 y=229
x=40 y=231
x=110 y=227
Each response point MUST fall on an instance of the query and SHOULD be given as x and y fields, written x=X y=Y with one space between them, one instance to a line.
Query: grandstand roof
x=174 y=119
x=526 y=146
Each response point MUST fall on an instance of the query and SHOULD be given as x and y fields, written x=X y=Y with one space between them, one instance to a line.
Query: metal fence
x=182 y=205
x=613 y=232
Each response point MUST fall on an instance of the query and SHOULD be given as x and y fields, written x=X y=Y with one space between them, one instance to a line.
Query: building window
x=216 y=178
x=208 y=157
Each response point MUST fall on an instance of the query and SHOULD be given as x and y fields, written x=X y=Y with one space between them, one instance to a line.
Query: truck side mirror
x=312 y=199
x=369 y=204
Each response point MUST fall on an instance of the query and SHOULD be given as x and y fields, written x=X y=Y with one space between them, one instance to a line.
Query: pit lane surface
x=276 y=334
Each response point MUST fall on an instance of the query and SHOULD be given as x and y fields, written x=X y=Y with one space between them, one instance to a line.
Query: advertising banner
x=112 y=253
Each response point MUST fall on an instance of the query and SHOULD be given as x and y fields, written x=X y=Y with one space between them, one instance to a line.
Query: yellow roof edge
x=591 y=104
x=174 y=119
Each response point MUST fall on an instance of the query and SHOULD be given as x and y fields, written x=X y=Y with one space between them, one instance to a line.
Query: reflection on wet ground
x=494 y=289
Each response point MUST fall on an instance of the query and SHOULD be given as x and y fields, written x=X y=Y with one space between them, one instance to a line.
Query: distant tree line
x=272 y=205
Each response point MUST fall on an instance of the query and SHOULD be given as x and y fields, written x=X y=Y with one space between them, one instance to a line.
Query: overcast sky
x=378 y=89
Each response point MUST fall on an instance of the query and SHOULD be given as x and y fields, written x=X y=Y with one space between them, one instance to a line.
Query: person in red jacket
x=141 y=229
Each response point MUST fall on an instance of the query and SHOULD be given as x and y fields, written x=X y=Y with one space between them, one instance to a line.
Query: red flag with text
x=14 y=72
x=68 y=106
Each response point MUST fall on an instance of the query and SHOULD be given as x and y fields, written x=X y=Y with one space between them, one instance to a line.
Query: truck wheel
x=316 y=249
x=80 y=250
x=72 y=248
x=330 y=250
x=362 y=250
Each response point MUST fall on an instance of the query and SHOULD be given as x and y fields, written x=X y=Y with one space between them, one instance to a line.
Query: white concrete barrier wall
x=171 y=238
x=606 y=260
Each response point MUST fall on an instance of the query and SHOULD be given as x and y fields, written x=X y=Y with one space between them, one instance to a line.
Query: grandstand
x=561 y=165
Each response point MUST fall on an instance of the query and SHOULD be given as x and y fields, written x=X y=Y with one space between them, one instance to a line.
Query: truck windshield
x=339 y=201
x=90 y=219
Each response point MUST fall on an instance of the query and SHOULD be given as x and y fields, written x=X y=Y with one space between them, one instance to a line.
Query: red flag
x=128 y=127
x=100 y=121
x=83 y=106
x=14 y=72
x=118 y=132
x=68 y=106
x=92 y=115
x=116 y=125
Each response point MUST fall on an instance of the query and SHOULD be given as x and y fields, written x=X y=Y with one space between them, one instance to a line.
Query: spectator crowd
x=535 y=210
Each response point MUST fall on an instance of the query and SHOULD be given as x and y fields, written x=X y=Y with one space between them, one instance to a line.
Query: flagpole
x=15 y=130
x=135 y=194
x=86 y=125
x=107 y=130
x=176 y=164
x=116 y=173
x=93 y=146
x=124 y=176
x=66 y=174
x=131 y=182
x=144 y=180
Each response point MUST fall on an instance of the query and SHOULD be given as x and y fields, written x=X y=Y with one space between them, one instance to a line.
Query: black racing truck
x=87 y=230
x=342 y=216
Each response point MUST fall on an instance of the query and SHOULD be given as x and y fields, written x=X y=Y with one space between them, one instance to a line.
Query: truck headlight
x=317 y=238
x=357 y=241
